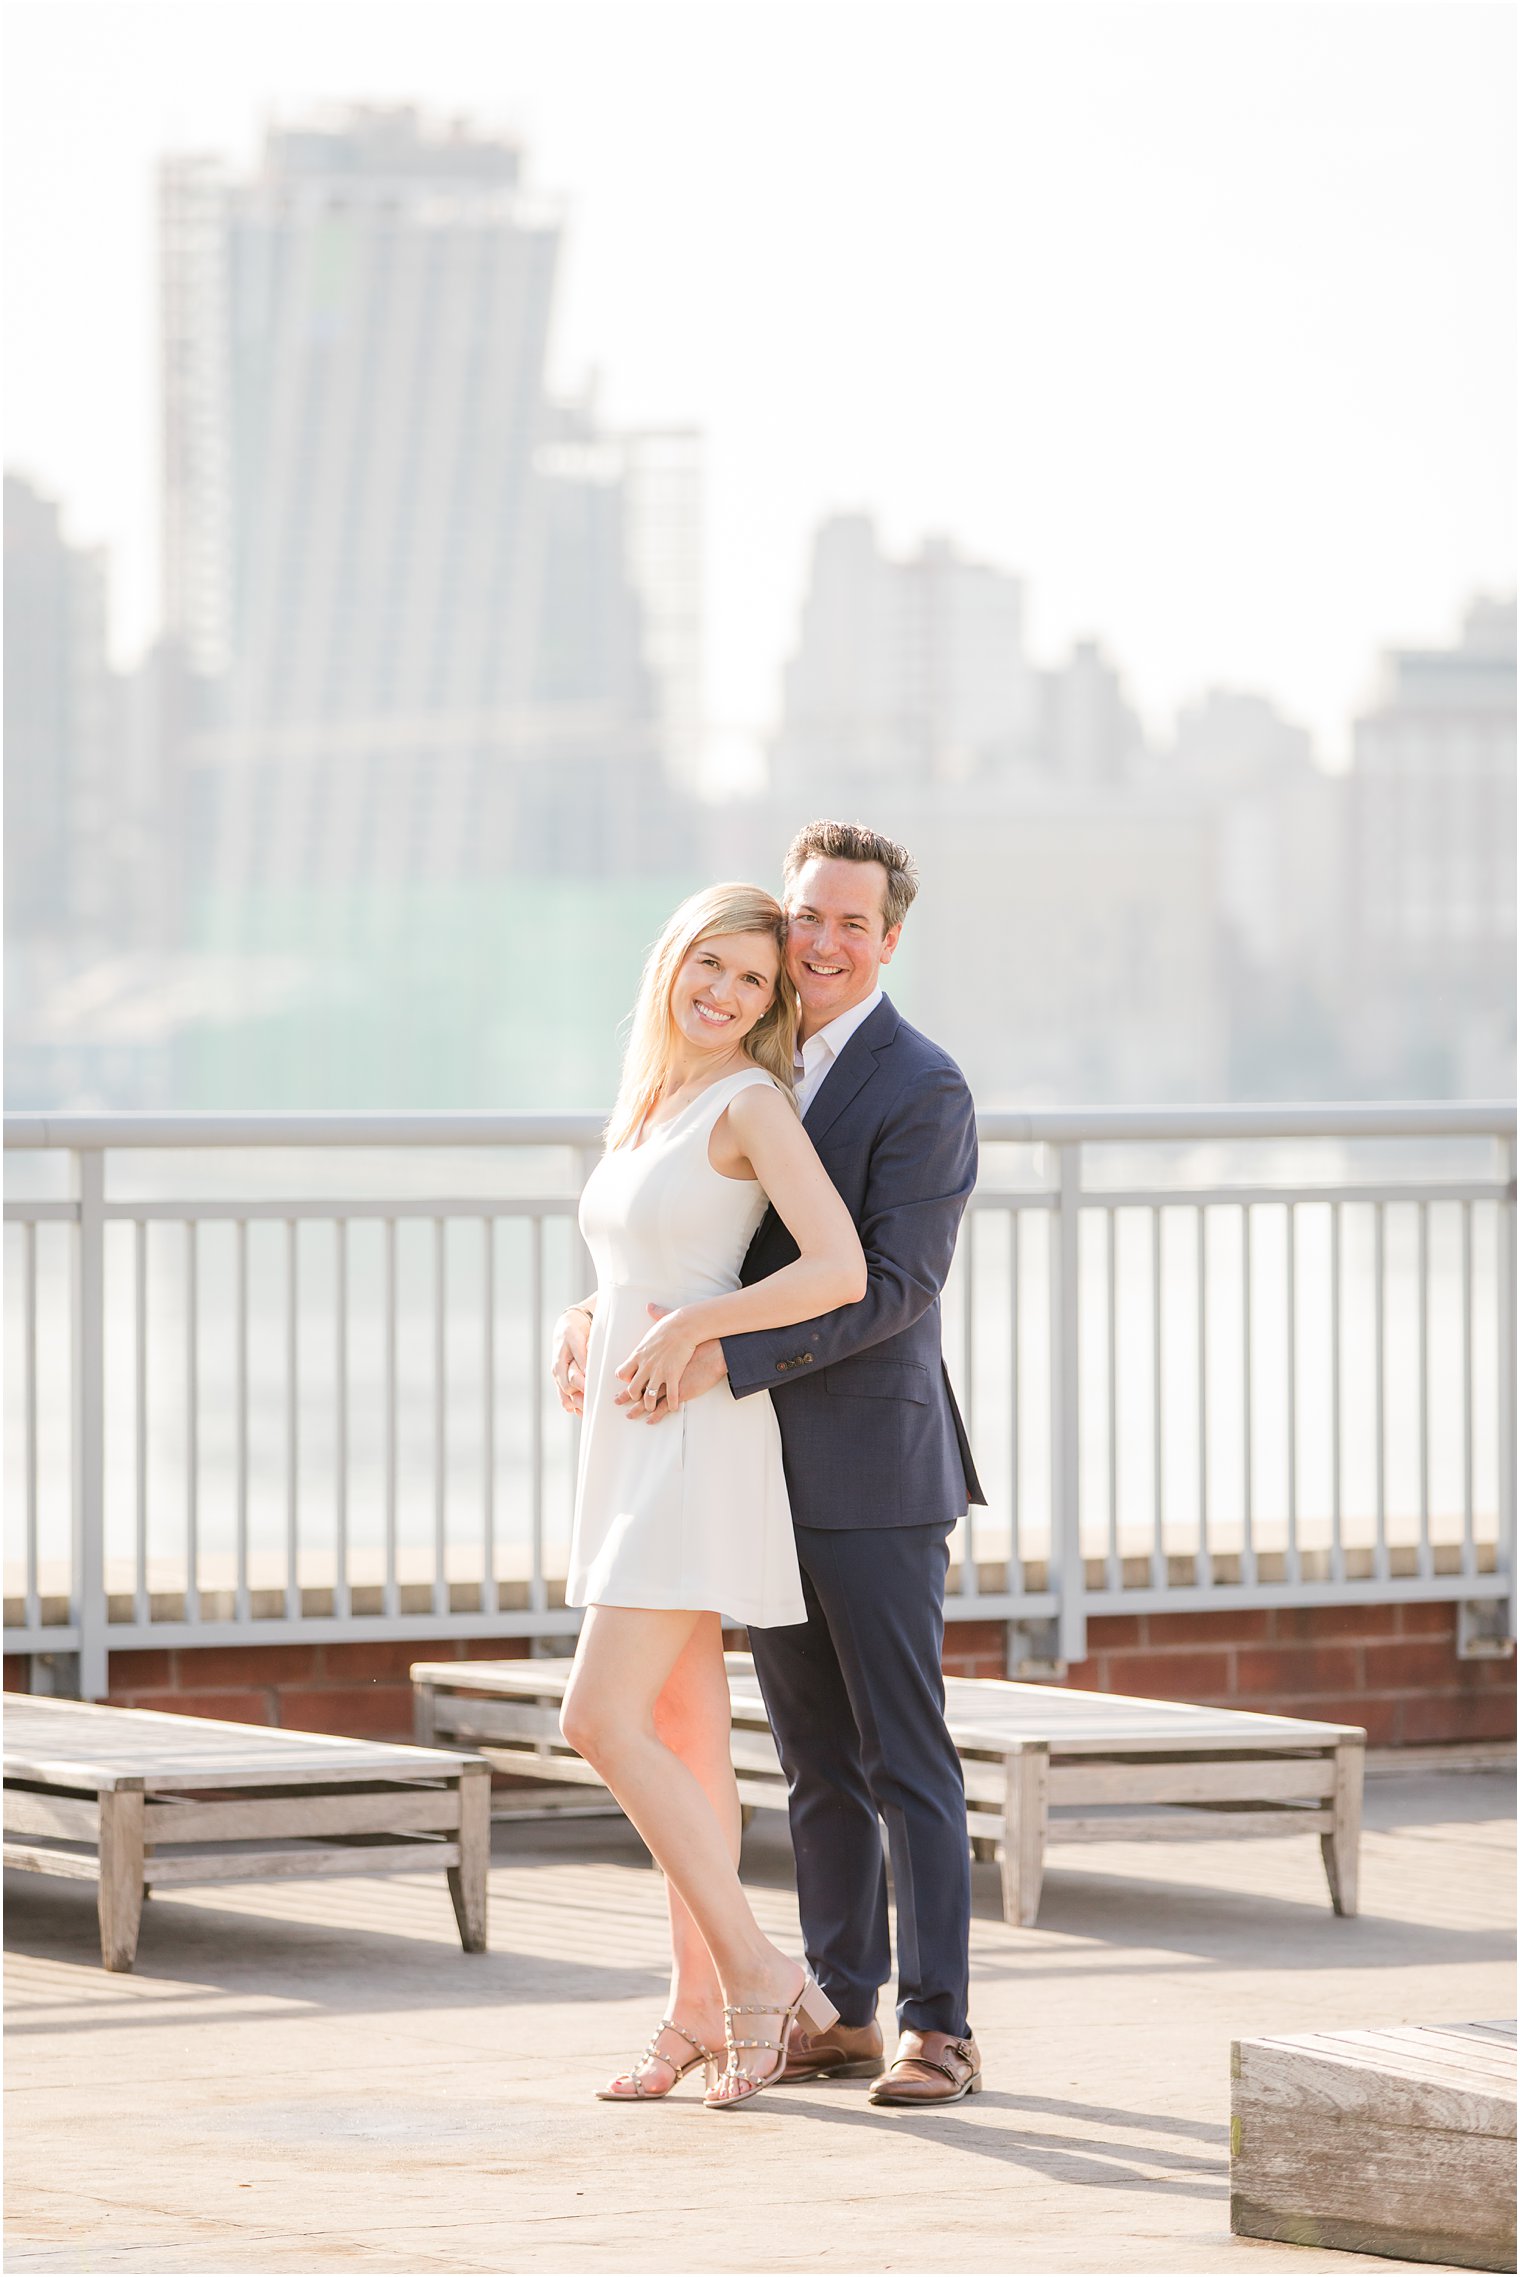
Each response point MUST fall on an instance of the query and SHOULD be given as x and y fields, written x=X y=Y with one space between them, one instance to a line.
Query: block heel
x=815 y=2008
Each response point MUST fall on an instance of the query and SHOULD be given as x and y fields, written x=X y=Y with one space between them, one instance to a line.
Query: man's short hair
x=853 y=842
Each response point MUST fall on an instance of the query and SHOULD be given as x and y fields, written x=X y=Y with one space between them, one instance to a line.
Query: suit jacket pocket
x=879 y=1379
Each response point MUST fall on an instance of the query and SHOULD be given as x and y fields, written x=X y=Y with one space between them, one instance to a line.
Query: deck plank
x=82 y=1743
x=300 y=1861
x=981 y=1711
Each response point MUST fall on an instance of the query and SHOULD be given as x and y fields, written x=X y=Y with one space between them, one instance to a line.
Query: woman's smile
x=743 y=969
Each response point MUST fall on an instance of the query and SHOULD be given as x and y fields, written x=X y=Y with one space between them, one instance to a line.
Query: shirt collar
x=829 y=1042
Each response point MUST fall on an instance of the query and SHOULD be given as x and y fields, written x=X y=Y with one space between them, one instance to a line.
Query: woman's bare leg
x=692 y=1717
x=623 y=1664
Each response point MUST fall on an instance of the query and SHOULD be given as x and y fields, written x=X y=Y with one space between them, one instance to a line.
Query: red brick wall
x=1392 y=1668
x=359 y=1691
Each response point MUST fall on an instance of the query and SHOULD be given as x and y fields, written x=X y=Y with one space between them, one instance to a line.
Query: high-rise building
x=620 y=614
x=1431 y=869
x=92 y=843
x=905 y=671
x=663 y=502
x=424 y=599
x=1278 y=817
x=1279 y=832
x=353 y=360
x=197 y=442
x=1090 y=738
x=62 y=754
x=1070 y=947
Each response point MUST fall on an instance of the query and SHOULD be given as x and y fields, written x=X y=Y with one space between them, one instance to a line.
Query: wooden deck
x=331 y=2085
x=1399 y=2141
x=136 y=1801
x=1039 y=1761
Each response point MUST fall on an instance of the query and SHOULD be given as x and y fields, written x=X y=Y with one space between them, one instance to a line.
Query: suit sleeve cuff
x=749 y=1363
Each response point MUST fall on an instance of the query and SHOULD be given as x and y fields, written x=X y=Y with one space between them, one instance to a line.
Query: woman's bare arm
x=829 y=1271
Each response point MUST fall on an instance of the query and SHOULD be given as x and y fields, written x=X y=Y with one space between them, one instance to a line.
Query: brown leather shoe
x=930 y=2067
x=844 y=2051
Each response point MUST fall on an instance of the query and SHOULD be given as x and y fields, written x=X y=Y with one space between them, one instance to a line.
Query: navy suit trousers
x=857 y=1703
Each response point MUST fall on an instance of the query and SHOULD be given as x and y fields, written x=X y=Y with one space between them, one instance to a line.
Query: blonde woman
x=680 y=1528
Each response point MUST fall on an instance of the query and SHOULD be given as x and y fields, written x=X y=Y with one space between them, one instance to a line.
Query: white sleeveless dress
x=691 y=1513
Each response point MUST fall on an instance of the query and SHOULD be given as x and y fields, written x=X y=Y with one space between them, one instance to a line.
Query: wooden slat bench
x=1396 y=2142
x=1039 y=1761
x=137 y=1802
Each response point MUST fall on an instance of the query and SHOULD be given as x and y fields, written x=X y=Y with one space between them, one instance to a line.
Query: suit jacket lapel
x=854 y=1067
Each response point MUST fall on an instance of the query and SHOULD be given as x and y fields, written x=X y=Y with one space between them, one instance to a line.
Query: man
x=878 y=1471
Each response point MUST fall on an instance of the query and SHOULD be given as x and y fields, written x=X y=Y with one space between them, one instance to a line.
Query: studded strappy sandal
x=636 y=2092
x=739 y=2083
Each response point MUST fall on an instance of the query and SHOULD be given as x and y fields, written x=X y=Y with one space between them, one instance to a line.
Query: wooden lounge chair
x=137 y=1802
x=1038 y=1760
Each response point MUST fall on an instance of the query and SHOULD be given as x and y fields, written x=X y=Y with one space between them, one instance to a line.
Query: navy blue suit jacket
x=870 y=1432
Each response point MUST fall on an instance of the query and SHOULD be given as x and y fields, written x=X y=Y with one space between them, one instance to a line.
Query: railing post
x=1067 y=1573
x=582 y=1280
x=1506 y=1325
x=88 y=1435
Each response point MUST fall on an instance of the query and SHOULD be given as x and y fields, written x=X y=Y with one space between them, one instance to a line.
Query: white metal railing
x=1208 y=1357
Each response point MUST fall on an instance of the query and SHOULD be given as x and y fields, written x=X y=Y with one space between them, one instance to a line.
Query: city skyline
x=1317 y=347
x=1104 y=917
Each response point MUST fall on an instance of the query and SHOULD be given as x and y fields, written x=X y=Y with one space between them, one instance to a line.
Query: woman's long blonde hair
x=718 y=909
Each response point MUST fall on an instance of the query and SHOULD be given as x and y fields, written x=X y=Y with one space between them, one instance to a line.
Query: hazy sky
x=1198 y=313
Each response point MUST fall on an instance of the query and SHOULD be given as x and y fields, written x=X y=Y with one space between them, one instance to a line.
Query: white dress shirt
x=818 y=1054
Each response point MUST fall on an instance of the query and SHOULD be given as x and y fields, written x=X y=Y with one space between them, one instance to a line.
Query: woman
x=684 y=1524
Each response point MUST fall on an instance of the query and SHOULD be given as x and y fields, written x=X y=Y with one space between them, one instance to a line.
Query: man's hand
x=572 y=1334
x=705 y=1368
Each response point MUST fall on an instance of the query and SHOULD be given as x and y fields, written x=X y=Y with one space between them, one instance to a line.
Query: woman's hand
x=654 y=1368
x=572 y=1335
